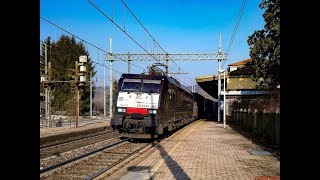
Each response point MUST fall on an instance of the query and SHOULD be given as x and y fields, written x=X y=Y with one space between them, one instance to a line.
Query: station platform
x=203 y=150
x=68 y=129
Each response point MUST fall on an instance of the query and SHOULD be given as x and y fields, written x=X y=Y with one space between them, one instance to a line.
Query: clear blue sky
x=177 y=25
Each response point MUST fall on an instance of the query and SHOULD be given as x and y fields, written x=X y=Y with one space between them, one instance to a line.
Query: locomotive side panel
x=184 y=106
x=200 y=105
x=164 y=112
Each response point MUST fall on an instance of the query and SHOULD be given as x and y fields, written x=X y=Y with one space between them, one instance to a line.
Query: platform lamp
x=224 y=97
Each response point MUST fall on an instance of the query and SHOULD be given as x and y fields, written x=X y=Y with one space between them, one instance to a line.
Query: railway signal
x=80 y=79
x=46 y=80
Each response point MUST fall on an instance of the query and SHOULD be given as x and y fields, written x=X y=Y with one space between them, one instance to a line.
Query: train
x=207 y=108
x=149 y=105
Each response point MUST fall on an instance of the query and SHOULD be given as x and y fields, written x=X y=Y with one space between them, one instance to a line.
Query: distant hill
x=98 y=98
x=99 y=89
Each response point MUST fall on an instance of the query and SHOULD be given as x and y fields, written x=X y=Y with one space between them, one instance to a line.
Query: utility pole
x=77 y=94
x=129 y=62
x=224 y=99
x=166 y=59
x=111 y=96
x=91 y=94
x=219 y=80
x=104 y=92
x=46 y=73
x=49 y=98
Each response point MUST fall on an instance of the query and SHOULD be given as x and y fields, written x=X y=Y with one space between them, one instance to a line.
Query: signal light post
x=49 y=95
x=46 y=79
x=82 y=78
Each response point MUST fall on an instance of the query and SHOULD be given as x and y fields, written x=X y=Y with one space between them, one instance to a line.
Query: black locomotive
x=149 y=105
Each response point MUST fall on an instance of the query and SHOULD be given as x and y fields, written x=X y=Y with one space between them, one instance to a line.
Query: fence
x=262 y=125
x=65 y=116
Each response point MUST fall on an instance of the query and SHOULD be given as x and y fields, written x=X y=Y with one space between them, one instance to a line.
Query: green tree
x=42 y=58
x=265 y=47
x=115 y=88
x=63 y=54
x=70 y=107
x=114 y=93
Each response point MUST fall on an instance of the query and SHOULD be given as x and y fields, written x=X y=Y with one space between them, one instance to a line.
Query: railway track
x=94 y=163
x=72 y=139
x=59 y=148
x=102 y=161
x=57 y=158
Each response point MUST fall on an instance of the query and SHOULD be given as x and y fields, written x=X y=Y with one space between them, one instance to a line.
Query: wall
x=240 y=83
x=263 y=125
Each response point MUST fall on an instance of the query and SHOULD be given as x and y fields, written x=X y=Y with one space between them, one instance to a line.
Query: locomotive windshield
x=147 y=85
x=151 y=86
x=131 y=85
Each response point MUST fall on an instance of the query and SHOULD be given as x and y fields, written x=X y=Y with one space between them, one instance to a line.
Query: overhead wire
x=90 y=61
x=236 y=25
x=95 y=6
x=84 y=40
x=154 y=40
x=235 y=28
x=110 y=19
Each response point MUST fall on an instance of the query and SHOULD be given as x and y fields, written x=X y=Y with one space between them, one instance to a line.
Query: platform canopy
x=209 y=84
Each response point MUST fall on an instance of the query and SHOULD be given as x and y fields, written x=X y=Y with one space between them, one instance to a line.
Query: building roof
x=241 y=63
x=209 y=83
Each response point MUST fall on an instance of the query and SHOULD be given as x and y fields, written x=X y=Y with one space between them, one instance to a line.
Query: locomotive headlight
x=122 y=110
x=152 y=111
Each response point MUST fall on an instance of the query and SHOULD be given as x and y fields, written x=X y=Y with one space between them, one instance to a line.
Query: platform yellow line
x=156 y=167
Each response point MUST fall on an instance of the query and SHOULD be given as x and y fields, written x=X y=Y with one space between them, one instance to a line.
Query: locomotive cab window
x=151 y=86
x=131 y=85
x=147 y=85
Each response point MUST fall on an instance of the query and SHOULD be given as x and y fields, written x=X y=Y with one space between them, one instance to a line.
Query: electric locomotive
x=149 y=105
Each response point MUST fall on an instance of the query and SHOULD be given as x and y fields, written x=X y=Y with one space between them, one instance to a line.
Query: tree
x=265 y=47
x=42 y=58
x=114 y=93
x=70 y=107
x=63 y=54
